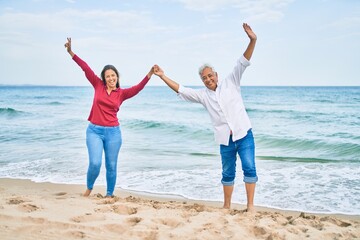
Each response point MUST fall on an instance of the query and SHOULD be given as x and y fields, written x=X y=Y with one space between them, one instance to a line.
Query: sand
x=31 y=210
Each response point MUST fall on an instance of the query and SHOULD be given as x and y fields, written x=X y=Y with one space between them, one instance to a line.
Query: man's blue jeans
x=99 y=139
x=245 y=148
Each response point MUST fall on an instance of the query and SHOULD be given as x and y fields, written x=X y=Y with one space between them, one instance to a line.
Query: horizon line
x=40 y=85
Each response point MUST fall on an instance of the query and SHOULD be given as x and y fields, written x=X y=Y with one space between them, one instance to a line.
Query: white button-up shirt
x=224 y=105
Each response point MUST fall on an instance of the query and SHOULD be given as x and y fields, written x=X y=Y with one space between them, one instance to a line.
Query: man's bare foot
x=87 y=193
x=251 y=209
x=226 y=206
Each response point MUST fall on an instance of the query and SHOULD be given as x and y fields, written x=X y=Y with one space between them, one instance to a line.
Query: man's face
x=209 y=78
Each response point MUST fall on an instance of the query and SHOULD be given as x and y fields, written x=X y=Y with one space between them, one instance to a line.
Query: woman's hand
x=68 y=44
x=68 y=47
x=151 y=72
x=172 y=84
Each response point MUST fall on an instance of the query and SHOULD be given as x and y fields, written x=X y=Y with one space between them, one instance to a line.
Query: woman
x=103 y=132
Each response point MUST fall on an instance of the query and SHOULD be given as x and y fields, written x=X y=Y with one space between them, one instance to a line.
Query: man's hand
x=158 y=71
x=249 y=31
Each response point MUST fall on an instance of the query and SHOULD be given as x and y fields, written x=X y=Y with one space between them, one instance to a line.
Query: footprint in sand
x=109 y=200
x=315 y=223
x=276 y=218
x=155 y=204
x=35 y=220
x=259 y=231
x=16 y=201
x=88 y=217
x=28 y=207
x=116 y=228
x=193 y=210
x=76 y=234
x=335 y=221
x=61 y=195
x=168 y=222
x=312 y=220
x=197 y=207
x=132 y=199
x=105 y=200
x=209 y=227
x=148 y=235
x=22 y=205
x=134 y=220
x=214 y=230
x=233 y=212
x=121 y=209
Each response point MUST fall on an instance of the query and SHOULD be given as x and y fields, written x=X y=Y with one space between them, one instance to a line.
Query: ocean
x=307 y=144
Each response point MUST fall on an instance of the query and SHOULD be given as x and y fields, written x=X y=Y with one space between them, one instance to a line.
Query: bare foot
x=87 y=193
x=226 y=206
x=250 y=207
x=251 y=210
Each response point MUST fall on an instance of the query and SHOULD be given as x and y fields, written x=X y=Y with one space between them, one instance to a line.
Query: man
x=232 y=127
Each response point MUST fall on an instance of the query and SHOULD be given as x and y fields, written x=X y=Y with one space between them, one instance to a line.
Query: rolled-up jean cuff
x=250 y=179
x=231 y=183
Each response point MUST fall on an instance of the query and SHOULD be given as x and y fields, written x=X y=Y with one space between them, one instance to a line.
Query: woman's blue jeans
x=245 y=148
x=99 y=139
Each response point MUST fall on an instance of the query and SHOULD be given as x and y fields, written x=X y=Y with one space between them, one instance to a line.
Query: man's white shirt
x=224 y=105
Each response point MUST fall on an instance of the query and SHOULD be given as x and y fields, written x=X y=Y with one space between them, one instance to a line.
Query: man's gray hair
x=206 y=65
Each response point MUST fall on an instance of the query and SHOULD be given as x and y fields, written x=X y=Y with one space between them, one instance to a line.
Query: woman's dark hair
x=107 y=67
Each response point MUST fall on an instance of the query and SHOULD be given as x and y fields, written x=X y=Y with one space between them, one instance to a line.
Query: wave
x=271 y=110
x=203 y=154
x=309 y=149
x=304 y=159
x=55 y=103
x=346 y=135
x=291 y=113
x=171 y=126
x=324 y=101
x=10 y=112
x=143 y=124
x=51 y=97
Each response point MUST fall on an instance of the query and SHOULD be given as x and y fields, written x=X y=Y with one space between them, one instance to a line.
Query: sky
x=299 y=42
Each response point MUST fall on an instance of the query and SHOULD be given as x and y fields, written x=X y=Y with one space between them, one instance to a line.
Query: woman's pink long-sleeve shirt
x=105 y=106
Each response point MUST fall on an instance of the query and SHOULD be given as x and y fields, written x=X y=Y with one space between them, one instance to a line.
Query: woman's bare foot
x=87 y=193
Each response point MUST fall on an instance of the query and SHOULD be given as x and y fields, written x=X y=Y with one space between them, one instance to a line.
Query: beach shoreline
x=30 y=210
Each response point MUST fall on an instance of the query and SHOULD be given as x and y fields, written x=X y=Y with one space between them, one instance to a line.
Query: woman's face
x=111 y=79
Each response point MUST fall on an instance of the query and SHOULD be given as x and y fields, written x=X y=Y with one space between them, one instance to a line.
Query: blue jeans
x=245 y=147
x=99 y=139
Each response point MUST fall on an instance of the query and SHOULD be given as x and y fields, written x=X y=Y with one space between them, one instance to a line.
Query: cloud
x=84 y=21
x=27 y=22
x=22 y=34
x=206 y=5
x=347 y=22
x=264 y=10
